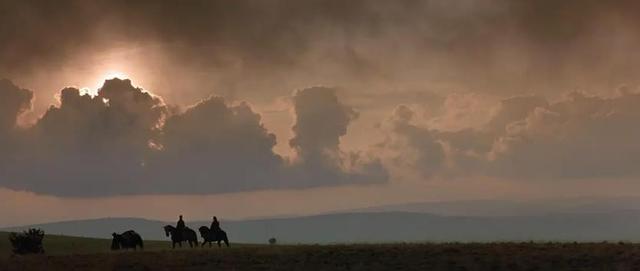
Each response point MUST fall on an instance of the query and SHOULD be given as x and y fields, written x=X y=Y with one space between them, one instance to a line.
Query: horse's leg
x=173 y=244
x=218 y=243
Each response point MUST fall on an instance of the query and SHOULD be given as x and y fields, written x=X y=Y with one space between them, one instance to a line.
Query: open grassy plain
x=69 y=245
x=473 y=256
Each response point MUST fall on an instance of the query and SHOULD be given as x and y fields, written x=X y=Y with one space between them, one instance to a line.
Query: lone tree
x=27 y=242
x=272 y=241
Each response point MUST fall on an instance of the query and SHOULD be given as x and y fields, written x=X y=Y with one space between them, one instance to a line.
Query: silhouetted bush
x=27 y=242
x=272 y=241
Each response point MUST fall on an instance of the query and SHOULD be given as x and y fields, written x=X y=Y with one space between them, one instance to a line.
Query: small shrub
x=27 y=242
x=272 y=241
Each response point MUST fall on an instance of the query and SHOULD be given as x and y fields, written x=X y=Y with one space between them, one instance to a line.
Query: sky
x=265 y=108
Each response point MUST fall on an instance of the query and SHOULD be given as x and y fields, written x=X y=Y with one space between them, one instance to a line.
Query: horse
x=213 y=236
x=188 y=235
x=126 y=240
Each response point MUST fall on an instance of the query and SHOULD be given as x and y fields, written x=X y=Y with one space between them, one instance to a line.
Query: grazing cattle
x=213 y=236
x=126 y=240
x=187 y=235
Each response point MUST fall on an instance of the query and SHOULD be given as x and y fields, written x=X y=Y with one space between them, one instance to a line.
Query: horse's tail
x=194 y=235
x=224 y=237
x=140 y=242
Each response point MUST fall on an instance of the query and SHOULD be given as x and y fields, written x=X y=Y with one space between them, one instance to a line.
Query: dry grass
x=65 y=245
x=495 y=256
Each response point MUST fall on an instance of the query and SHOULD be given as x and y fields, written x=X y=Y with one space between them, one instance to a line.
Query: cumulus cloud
x=14 y=101
x=216 y=147
x=320 y=121
x=89 y=145
x=413 y=145
x=125 y=140
x=579 y=136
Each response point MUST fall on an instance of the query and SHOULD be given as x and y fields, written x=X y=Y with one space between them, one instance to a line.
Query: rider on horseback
x=180 y=226
x=215 y=225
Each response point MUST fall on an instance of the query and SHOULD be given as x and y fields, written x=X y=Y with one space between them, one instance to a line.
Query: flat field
x=446 y=256
x=68 y=245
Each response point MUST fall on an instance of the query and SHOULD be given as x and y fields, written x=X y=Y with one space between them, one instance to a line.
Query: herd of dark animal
x=178 y=234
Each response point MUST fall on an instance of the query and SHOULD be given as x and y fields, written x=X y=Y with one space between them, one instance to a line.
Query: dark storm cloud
x=263 y=32
x=491 y=45
x=126 y=141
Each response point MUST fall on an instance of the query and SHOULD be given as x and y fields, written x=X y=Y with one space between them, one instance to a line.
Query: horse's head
x=168 y=230
x=115 y=243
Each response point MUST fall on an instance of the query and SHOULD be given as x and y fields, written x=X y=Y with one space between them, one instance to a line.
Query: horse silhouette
x=126 y=240
x=187 y=235
x=213 y=236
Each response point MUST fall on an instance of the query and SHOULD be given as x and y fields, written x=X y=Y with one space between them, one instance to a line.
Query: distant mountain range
x=386 y=227
x=513 y=208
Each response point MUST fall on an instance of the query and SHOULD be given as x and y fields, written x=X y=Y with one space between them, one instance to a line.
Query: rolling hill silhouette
x=385 y=227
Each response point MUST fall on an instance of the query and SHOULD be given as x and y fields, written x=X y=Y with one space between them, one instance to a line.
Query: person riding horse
x=214 y=233
x=180 y=226
x=215 y=225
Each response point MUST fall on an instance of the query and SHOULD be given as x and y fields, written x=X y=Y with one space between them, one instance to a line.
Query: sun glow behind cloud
x=93 y=87
x=111 y=74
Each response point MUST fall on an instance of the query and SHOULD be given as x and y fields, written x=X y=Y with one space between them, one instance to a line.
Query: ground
x=65 y=245
x=447 y=256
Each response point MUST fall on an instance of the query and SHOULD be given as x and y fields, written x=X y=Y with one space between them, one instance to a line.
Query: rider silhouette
x=215 y=225
x=180 y=226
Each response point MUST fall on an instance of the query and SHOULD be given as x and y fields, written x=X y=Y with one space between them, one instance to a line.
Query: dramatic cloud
x=383 y=54
x=413 y=146
x=125 y=141
x=577 y=137
x=493 y=46
x=216 y=147
x=13 y=102
x=321 y=120
x=89 y=145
